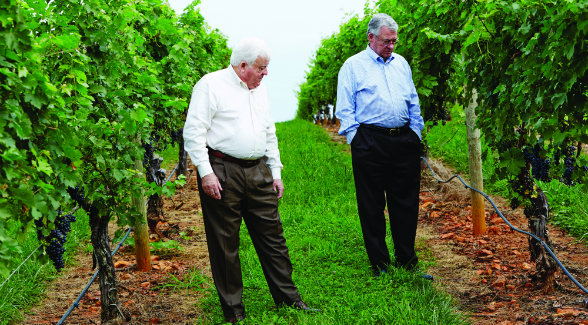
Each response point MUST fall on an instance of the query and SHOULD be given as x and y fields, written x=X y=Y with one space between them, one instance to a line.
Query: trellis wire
x=21 y=264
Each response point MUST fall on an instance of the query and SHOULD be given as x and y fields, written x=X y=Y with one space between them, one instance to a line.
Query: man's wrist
x=276 y=173
x=204 y=169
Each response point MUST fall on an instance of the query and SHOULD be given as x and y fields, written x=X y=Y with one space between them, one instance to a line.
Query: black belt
x=387 y=131
x=238 y=161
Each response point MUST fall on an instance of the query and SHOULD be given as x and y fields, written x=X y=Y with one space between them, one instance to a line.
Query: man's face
x=383 y=44
x=253 y=74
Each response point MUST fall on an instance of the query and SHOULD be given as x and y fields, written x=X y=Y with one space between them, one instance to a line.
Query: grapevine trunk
x=182 y=159
x=538 y=216
x=111 y=313
x=155 y=205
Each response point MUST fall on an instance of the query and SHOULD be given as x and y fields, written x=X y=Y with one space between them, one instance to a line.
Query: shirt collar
x=236 y=78
x=374 y=56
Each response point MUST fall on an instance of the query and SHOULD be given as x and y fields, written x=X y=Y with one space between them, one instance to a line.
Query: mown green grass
x=568 y=205
x=323 y=233
x=26 y=287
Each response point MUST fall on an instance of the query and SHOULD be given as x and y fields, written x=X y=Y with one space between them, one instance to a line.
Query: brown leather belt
x=238 y=161
x=387 y=131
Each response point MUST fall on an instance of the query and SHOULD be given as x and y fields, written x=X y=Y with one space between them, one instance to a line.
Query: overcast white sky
x=293 y=30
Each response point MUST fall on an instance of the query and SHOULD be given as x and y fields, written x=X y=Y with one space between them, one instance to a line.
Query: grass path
x=326 y=246
x=324 y=237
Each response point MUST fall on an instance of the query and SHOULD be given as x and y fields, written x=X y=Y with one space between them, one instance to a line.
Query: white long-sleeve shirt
x=227 y=116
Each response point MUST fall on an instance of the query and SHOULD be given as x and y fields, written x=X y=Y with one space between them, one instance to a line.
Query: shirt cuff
x=277 y=173
x=204 y=169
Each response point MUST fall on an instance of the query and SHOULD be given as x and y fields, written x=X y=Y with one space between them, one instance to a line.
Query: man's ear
x=242 y=66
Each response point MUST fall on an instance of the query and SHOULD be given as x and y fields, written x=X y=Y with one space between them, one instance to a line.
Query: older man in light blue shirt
x=380 y=115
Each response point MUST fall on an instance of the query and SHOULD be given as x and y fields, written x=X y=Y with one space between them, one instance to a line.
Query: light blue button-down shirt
x=373 y=91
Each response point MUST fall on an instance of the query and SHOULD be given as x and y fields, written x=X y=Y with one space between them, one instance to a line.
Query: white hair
x=248 y=50
x=380 y=20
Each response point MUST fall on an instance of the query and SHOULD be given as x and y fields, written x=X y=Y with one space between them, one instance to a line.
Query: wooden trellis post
x=475 y=159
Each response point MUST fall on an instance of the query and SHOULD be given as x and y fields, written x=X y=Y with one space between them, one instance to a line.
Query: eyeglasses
x=388 y=42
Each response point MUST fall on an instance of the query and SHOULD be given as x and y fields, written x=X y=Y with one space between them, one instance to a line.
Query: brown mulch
x=489 y=276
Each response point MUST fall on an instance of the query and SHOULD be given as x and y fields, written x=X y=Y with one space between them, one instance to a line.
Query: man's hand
x=279 y=187
x=212 y=187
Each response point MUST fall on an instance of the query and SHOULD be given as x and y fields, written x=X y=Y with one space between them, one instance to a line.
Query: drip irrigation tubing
x=173 y=172
x=544 y=244
x=83 y=293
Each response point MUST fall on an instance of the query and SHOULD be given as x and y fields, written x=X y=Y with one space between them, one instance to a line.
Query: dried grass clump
x=453 y=190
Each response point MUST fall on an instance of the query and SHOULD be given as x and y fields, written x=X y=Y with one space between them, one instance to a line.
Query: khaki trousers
x=247 y=194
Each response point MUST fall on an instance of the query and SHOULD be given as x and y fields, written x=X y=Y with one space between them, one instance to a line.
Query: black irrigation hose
x=563 y=268
x=77 y=302
x=173 y=172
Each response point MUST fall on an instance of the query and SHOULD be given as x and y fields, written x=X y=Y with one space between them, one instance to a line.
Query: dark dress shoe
x=379 y=272
x=301 y=305
x=423 y=275
x=426 y=276
x=235 y=319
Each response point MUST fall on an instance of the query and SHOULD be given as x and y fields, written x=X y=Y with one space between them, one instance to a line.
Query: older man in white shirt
x=231 y=139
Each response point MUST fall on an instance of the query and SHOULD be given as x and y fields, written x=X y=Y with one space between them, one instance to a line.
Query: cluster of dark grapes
x=569 y=153
x=523 y=186
x=148 y=154
x=55 y=241
x=505 y=145
x=539 y=165
x=569 y=164
x=151 y=147
x=177 y=136
x=77 y=194
x=436 y=114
